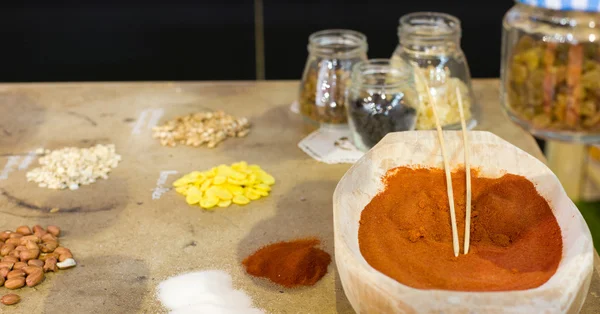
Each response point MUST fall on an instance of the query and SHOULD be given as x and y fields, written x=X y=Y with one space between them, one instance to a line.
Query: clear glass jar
x=431 y=41
x=332 y=54
x=551 y=71
x=382 y=99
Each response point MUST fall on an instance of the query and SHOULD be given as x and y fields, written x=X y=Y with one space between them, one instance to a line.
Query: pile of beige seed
x=202 y=128
x=27 y=255
x=71 y=167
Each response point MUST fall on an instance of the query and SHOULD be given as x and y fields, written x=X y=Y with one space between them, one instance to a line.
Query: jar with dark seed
x=381 y=99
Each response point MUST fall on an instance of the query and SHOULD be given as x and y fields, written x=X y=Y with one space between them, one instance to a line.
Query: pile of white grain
x=71 y=167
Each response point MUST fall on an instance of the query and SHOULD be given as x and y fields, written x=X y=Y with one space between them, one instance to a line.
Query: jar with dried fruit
x=551 y=68
x=332 y=54
x=430 y=41
x=381 y=99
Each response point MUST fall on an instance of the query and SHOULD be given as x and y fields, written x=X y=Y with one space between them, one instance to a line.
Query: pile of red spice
x=290 y=264
x=405 y=232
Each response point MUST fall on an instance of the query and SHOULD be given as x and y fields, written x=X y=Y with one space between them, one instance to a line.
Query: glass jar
x=382 y=99
x=431 y=41
x=332 y=54
x=551 y=69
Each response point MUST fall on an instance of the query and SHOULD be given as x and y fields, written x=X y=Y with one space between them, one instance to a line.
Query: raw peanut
x=31 y=245
x=32 y=238
x=4 y=272
x=7 y=248
x=54 y=230
x=15 y=273
x=19 y=265
x=35 y=278
x=50 y=264
x=13 y=241
x=15 y=283
x=10 y=299
x=7 y=265
x=63 y=257
x=20 y=248
x=49 y=237
x=35 y=262
x=24 y=230
x=61 y=250
x=39 y=231
x=49 y=246
x=15 y=235
x=2 y=281
x=14 y=254
x=30 y=269
x=26 y=255
x=10 y=259
x=5 y=235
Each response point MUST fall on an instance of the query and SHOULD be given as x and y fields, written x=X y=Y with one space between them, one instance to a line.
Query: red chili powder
x=290 y=264
x=405 y=232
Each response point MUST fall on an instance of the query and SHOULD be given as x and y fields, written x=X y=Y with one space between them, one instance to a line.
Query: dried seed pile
x=28 y=254
x=202 y=128
x=71 y=167
x=220 y=186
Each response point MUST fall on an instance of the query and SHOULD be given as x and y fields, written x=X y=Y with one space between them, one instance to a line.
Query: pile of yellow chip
x=223 y=185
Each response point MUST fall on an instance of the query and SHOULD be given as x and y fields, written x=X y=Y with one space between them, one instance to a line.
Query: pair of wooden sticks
x=433 y=104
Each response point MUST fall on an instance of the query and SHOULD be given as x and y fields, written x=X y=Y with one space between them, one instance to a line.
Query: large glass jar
x=332 y=54
x=431 y=41
x=382 y=99
x=551 y=69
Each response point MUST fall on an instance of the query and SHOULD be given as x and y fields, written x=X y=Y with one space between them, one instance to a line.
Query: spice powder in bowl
x=516 y=242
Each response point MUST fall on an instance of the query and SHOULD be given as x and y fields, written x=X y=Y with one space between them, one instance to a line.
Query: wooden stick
x=467 y=172
x=433 y=105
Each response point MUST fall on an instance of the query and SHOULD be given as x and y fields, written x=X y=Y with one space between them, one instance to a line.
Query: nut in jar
x=326 y=78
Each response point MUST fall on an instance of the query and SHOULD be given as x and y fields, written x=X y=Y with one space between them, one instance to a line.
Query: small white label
x=148 y=118
x=331 y=146
x=8 y=168
x=27 y=160
x=162 y=178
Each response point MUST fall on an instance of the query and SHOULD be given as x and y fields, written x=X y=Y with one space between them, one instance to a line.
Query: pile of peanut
x=27 y=255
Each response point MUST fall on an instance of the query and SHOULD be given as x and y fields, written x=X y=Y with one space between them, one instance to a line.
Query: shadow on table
x=103 y=284
x=20 y=119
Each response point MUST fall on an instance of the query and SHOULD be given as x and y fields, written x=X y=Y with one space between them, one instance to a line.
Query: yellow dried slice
x=222 y=193
x=262 y=187
x=182 y=189
x=251 y=194
x=224 y=170
x=235 y=182
x=219 y=179
x=205 y=185
x=261 y=192
x=240 y=200
x=235 y=189
x=193 y=195
x=224 y=203
x=209 y=201
x=182 y=181
x=267 y=178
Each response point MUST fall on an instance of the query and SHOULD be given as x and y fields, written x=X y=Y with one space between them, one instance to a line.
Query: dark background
x=212 y=40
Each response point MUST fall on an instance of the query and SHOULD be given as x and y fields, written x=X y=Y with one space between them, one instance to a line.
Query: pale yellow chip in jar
x=240 y=200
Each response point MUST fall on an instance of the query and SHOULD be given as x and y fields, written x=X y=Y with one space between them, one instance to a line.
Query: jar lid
x=565 y=5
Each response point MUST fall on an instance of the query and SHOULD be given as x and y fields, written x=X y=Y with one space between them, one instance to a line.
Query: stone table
x=126 y=242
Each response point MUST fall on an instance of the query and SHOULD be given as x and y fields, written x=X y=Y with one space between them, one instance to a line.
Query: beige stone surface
x=126 y=242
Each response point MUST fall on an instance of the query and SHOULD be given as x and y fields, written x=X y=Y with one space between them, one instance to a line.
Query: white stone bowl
x=370 y=291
